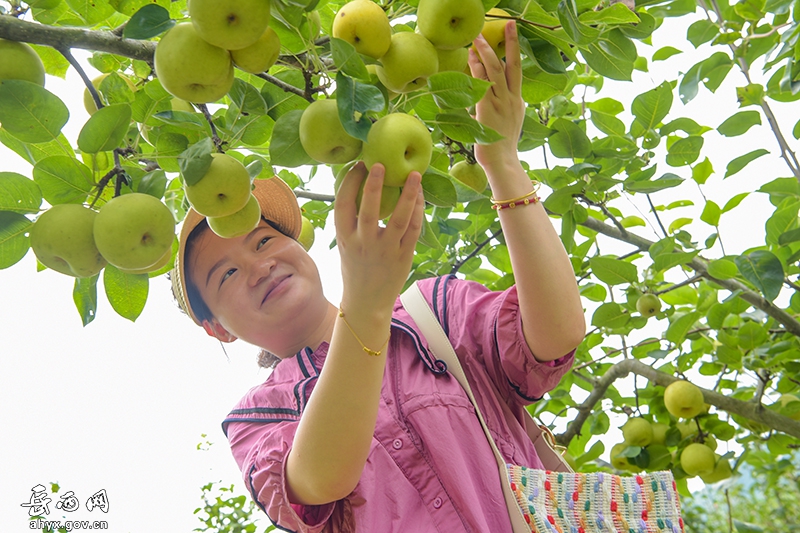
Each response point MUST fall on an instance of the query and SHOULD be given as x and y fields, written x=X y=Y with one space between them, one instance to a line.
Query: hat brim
x=278 y=204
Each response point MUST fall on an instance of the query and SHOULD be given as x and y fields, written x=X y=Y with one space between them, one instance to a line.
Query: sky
x=122 y=407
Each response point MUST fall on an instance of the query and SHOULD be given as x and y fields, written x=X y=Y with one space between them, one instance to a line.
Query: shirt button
x=437 y=503
x=397 y=444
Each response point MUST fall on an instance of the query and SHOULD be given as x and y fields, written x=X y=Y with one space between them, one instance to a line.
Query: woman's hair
x=266 y=359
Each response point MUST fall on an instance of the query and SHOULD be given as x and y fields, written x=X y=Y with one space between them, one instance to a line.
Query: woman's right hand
x=376 y=260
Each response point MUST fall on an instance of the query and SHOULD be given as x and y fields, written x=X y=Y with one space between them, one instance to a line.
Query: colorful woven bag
x=558 y=500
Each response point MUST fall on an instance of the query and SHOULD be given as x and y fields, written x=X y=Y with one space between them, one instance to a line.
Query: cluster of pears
x=134 y=232
x=194 y=60
x=406 y=59
x=696 y=450
x=223 y=195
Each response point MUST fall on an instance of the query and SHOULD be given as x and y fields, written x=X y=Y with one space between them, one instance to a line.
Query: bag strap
x=544 y=441
x=416 y=306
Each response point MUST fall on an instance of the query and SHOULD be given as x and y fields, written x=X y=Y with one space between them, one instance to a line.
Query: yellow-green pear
x=161 y=263
x=88 y=101
x=323 y=137
x=618 y=461
x=19 y=61
x=363 y=24
x=63 y=240
x=181 y=105
x=637 y=432
x=375 y=80
x=648 y=305
x=408 y=63
x=473 y=176
x=687 y=428
x=259 y=56
x=684 y=399
x=450 y=24
x=698 y=459
x=223 y=190
x=191 y=69
x=306 y=236
x=659 y=433
x=230 y=24
x=722 y=471
x=494 y=30
x=453 y=60
x=134 y=231
x=402 y=144
x=239 y=223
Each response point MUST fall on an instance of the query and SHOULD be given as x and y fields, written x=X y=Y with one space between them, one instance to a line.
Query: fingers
x=371 y=199
x=493 y=68
x=513 y=59
x=409 y=241
x=345 y=214
x=403 y=212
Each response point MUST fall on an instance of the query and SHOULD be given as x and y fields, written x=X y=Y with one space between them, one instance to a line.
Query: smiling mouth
x=273 y=288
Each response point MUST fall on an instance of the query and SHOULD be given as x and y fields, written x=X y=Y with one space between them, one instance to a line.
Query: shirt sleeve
x=261 y=450
x=486 y=326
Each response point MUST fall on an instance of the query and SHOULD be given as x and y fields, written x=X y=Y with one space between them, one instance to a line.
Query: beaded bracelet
x=374 y=353
x=511 y=204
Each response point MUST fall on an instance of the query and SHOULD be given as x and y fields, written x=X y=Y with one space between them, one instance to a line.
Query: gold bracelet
x=496 y=202
x=375 y=353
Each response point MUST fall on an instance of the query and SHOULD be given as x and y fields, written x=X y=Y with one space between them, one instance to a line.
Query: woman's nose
x=260 y=268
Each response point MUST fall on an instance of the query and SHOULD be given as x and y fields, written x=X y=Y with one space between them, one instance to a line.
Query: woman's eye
x=263 y=241
x=227 y=274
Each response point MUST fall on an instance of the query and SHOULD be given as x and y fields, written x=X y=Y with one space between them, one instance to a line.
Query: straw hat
x=278 y=204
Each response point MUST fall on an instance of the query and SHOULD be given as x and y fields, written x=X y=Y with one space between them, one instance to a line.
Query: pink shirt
x=430 y=467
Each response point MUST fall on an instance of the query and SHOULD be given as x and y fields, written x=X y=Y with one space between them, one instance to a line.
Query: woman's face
x=263 y=288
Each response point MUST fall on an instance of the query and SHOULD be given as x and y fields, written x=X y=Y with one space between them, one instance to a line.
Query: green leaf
x=665 y=52
x=127 y=293
x=14 y=241
x=546 y=55
x=746 y=527
x=701 y=32
x=733 y=202
x=580 y=33
x=651 y=107
x=711 y=213
x=666 y=181
x=613 y=271
x=19 y=194
x=569 y=141
x=608 y=124
x=539 y=86
x=84 y=294
x=615 y=14
x=55 y=64
x=677 y=330
x=722 y=269
x=63 y=179
x=782 y=220
x=92 y=11
x=684 y=124
x=438 y=190
x=789 y=237
x=594 y=291
x=459 y=126
x=285 y=149
x=347 y=60
x=427 y=237
x=611 y=55
x=664 y=262
x=195 y=161
x=750 y=9
x=246 y=97
x=739 y=123
x=763 y=270
x=610 y=315
x=354 y=100
x=684 y=151
x=614 y=146
x=711 y=71
x=456 y=90
x=701 y=171
x=30 y=112
x=796 y=130
x=743 y=160
x=106 y=129
x=149 y=21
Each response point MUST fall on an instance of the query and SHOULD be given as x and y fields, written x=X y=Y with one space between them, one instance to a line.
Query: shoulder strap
x=414 y=302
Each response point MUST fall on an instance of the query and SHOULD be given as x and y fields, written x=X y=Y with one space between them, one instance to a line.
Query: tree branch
x=314 y=196
x=749 y=410
x=59 y=38
x=474 y=252
x=701 y=267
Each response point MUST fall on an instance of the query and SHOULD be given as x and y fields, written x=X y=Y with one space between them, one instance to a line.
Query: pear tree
x=650 y=214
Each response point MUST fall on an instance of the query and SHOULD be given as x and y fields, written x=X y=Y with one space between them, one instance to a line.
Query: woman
x=388 y=441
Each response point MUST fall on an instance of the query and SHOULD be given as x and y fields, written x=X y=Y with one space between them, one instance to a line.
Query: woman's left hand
x=502 y=107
